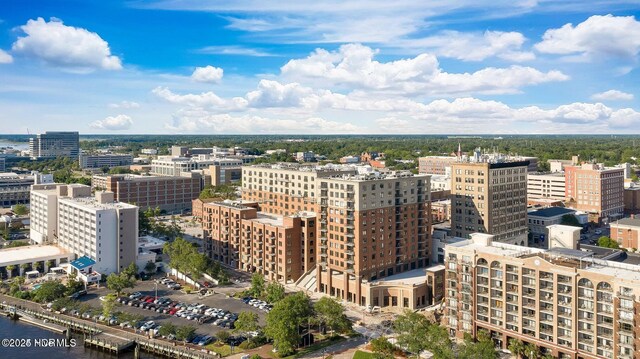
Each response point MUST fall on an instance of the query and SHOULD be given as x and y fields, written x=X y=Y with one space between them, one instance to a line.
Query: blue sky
x=325 y=67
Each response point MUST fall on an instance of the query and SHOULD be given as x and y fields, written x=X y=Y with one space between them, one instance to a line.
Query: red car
x=144 y=299
x=173 y=311
x=150 y=300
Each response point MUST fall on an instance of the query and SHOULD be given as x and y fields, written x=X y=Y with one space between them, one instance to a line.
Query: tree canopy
x=607 y=242
x=285 y=319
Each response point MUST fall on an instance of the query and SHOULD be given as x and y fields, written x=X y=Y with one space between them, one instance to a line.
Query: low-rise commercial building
x=632 y=198
x=16 y=261
x=14 y=188
x=539 y=220
x=173 y=194
x=104 y=160
x=562 y=300
x=626 y=231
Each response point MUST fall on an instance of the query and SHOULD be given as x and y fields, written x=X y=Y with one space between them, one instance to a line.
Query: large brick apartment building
x=361 y=235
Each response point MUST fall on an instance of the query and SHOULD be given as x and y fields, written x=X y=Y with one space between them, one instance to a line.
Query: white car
x=148 y=325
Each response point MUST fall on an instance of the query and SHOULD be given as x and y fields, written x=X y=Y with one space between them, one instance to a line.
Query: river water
x=10 y=329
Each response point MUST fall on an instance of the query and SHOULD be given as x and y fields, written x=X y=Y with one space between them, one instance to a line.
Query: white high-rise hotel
x=96 y=227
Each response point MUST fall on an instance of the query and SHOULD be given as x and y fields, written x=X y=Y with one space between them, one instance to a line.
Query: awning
x=82 y=263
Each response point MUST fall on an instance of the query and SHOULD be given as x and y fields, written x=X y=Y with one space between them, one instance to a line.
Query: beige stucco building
x=562 y=300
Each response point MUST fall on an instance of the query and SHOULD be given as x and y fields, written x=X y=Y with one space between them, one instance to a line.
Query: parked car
x=205 y=340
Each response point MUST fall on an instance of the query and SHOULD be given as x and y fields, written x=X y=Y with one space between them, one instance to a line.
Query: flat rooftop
x=632 y=222
x=272 y=220
x=25 y=253
x=377 y=176
x=92 y=203
x=551 y=212
x=412 y=277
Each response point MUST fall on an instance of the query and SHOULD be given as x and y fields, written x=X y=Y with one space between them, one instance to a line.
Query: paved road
x=343 y=347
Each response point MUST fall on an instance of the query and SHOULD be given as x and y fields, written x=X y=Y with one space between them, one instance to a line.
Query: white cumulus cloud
x=471 y=46
x=125 y=104
x=597 y=36
x=205 y=100
x=113 y=123
x=353 y=66
x=207 y=74
x=612 y=95
x=5 y=58
x=67 y=47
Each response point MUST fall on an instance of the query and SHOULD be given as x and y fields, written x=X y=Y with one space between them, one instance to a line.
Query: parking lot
x=148 y=288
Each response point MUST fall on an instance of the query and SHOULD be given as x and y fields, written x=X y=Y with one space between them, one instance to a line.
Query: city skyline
x=319 y=68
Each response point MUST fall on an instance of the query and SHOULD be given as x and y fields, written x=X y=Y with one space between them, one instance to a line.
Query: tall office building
x=595 y=189
x=489 y=197
x=55 y=144
x=562 y=300
x=93 y=226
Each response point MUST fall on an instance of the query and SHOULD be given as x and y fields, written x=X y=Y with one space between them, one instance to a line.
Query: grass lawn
x=223 y=350
x=362 y=355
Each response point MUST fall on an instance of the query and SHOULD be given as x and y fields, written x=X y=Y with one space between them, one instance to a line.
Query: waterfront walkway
x=113 y=336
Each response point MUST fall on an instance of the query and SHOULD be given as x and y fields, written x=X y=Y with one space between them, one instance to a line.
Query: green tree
x=131 y=270
x=607 y=242
x=38 y=266
x=185 y=333
x=108 y=304
x=516 y=347
x=481 y=348
x=416 y=333
x=285 y=319
x=73 y=286
x=531 y=351
x=570 y=220
x=331 y=314
x=247 y=322
x=10 y=268
x=257 y=285
x=144 y=223
x=412 y=329
x=118 y=282
x=382 y=348
x=20 y=209
x=150 y=267
x=274 y=292
x=167 y=329
x=223 y=336
x=184 y=257
x=49 y=291
x=16 y=285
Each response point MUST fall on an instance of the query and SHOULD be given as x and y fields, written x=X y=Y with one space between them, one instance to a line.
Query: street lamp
x=156 y=289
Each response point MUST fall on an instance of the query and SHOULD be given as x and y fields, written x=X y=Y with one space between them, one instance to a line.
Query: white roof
x=29 y=253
